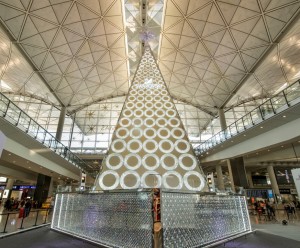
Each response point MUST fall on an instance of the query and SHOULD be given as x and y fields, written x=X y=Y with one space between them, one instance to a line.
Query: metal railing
x=288 y=97
x=15 y=221
x=17 y=117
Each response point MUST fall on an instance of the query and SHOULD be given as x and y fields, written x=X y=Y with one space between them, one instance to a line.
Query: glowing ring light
x=166 y=98
x=171 y=113
x=161 y=122
x=144 y=163
x=136 y=86
x=149 y=113
x=136 y=133
x=177 y=136
x=163 y=129
x=137 y=122
x=197 y=174
x=149 y=105
x=139 y=105
x=187 y=144
x=131 y=98
x=138 y=112
x=139 y=161
x=147 y=120
x=120 y=130
x=148 y=93
x=127 y=112
x=113 y=144
x=148 y=98
x=141 y=92
x=105 y=173
x=113 y=167
x=163 y=92
x=163 y=164
x=166 y=150
x=172 y=173
x=150 y=136
x=158 y=105
x=172 y=120
x=129 y=148
x=155 y=92
x=168 y=105
x=150 y=150
x=148 y=173
x=129 y=105
x=133 y=92
x=127 y=173
x=125 y=119
x=188 y=168
x=160 y=112
x=140 y=98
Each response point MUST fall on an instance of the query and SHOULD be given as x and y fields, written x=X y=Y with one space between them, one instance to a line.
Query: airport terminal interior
x=150 y=123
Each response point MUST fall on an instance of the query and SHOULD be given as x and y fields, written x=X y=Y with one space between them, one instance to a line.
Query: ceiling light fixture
x=284 y=116
x=261 y=127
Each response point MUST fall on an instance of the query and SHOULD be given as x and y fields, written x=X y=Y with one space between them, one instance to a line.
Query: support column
x=9 y=186
x=230 y=175
x=239 y=172
x=273 y=180
x=222 y=119
x=60 y=124
x=220 y=177
x=42 y=189
x=249 y=177
x=50 y=191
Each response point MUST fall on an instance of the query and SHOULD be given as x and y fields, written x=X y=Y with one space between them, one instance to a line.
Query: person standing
x=27 y=207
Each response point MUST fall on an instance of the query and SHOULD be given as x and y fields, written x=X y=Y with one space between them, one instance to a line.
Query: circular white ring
x=163 y=164
x=127 y=113
x=148 y=98
x=147 y=173
x=150 y=150
x=129 y=167
x=147 y=120
x=177 y=129
x=160 y=145
x=150 y=167
x=122 y=136
x=131 y=98
x=149 y=105
x=125 y=119
x=139 y=105
x=133 y=135
x=174 y=173
x=172 y=120
x=135 y=120
x=105 y=173
x=159 y=120
x=148 y=93
x=158 y=105
x=150 y=136
x=163 y=92
x=188 y=146
x=129 y=105
x=108 y=164
x=160 y=113
x=135 y=87
x=141 y=92
x=149 y=113
x=114 y=149
x=158 y=100
x=188 y=168
x=168 y=105
x=155 y=92
x=171 y=113
x=163 y=129
x=138 y=112
x=125 y=174
x=140 y=98
x=134 y=150
x=197 y=174
x=166 y=98
x=133 y=92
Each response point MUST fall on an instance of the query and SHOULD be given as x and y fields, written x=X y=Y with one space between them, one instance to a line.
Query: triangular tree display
x=150 y=148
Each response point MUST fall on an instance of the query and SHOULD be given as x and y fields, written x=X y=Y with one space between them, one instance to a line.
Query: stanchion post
x=46 y=215
x=37 y=214
x=21 y=227
x=4 y=231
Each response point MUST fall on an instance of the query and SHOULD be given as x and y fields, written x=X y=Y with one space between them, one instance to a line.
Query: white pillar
x=222 y=119
x=230 y=175
x=50 y=191
x=60 y=124
x=273 y=180
x=249 y=177
x=9 y=186
x=220 y=177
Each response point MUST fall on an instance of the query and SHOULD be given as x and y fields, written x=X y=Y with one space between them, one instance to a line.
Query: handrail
x=274 y=105
x=16 y=116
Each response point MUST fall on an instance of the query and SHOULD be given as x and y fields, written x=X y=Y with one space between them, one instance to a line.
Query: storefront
x=254 y=195
x=22 y=191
